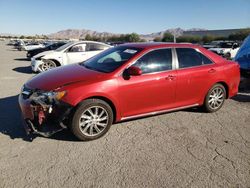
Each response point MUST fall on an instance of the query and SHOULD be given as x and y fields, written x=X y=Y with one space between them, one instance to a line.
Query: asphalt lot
x=187 y=148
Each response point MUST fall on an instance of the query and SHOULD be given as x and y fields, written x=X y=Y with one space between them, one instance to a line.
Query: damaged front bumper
x=41 y=115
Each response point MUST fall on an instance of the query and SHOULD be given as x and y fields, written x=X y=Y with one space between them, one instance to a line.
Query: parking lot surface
x=187 y=148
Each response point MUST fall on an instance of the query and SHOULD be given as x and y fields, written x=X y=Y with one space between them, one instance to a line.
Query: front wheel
x=47 y=65
x=215 y=98
x=92 y=119
x=228 y=56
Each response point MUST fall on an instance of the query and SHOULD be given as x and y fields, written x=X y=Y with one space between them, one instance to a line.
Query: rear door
x=195 y=75
x=76 y=54
x=152 y=91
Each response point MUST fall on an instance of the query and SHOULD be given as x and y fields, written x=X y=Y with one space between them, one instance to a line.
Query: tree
x=133 y=37
x=88 y=37
x=190 y=39
x=168 y=37
x=240 y=35
x=157 y=39
x=208 y=38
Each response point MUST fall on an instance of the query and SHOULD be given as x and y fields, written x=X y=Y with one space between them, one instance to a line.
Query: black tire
x=75 y=126
x=49 y=64
x=228 y=56
x=207 y=106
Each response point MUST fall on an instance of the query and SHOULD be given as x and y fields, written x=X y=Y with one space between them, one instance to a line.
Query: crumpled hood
x=57 y=77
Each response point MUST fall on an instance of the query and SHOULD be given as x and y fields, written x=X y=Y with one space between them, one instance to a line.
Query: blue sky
x=121 y=16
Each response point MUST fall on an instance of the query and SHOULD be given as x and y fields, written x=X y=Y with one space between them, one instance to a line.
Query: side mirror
x=134 y=71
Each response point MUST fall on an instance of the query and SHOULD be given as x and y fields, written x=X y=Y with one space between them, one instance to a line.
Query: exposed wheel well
x=226 y=88
x=111 y=104
x=57 y=62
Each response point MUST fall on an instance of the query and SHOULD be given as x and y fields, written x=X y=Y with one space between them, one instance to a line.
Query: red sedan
x=126 y=82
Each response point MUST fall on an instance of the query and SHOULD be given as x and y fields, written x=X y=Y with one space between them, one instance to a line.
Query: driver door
x=152 y=91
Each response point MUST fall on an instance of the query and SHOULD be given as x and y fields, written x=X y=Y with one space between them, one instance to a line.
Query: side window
x=95 y=47
x=155 y=61
x=78 y=48
x=188 y=57
x=205 y=60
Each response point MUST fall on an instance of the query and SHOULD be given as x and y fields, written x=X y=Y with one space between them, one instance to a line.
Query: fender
x=104 y=96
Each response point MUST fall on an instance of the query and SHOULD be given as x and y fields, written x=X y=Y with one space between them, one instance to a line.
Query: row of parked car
x=48 y=55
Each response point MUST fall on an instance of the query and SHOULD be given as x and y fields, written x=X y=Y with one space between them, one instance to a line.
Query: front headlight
x=221 y=51
x=54 y=95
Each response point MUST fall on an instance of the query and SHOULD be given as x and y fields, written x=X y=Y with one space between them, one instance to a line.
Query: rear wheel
x=92 y=119
x=215 y=98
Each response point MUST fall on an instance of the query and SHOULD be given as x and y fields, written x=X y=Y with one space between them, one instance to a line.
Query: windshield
x=111 y=59
x=64 y=46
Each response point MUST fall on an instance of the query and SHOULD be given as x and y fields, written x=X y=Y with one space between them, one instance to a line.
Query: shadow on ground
x=242 y=97
x=244 y=92
x=21 y=59
x=10 y=118
x=26 y=70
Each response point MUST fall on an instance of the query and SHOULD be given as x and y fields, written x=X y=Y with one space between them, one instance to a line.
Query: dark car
x=243 y=58
x=48 y=47
x=127 y=82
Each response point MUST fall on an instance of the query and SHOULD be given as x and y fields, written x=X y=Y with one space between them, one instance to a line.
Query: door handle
x=170 y=77
x=212 y=71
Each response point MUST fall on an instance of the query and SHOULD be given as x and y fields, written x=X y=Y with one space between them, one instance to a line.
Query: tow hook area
x=32 y=129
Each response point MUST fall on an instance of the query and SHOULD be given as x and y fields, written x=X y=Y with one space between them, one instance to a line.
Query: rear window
x=189 y=57
x=95 y=47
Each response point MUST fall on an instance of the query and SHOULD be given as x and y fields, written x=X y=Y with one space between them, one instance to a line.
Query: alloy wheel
x=216 y=98
x=93 y=121
x=47 y=65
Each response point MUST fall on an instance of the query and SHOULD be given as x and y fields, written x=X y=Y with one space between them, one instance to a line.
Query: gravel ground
x=180 y=149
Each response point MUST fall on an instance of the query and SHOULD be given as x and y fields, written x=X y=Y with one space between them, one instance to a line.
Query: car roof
x=87 y=41
x=151 y=45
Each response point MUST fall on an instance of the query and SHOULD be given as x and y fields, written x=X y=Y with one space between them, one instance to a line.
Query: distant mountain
x=81 y=33
x=78 y=34
x=175 y=31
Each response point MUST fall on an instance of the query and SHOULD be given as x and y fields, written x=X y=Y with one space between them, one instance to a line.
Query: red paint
x=142 y=93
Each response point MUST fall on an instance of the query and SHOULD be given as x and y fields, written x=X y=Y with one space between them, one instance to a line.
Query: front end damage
x=43 y=112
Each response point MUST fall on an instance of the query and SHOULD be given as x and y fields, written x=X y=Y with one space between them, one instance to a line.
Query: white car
x=227 y=49
x=72 y=52
x=29 y=47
